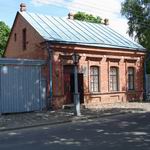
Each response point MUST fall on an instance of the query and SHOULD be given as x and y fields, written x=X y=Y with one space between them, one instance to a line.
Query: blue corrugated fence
x=22 y=87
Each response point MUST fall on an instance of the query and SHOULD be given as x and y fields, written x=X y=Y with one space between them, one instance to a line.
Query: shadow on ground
x=124 y=132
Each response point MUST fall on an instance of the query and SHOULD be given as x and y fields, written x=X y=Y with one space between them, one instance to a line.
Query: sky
x=104 y=8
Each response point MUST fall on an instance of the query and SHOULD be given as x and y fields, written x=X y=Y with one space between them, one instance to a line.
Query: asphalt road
x=124 y=132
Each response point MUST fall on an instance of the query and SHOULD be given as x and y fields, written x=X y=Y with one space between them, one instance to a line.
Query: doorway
x=69 y=84
x=80 y=86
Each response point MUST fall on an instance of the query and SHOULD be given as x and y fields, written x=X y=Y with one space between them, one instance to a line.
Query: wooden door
x=68 y=69
x=67 y=88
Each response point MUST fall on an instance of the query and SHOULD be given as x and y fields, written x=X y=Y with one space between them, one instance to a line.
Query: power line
x=90 y=9
x=78 y=5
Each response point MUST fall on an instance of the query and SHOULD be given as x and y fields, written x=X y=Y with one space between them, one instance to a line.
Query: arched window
x=94 y=79
x=130 y=78
x=113 y=79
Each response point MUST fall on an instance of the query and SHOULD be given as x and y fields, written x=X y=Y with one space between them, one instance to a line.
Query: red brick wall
x=104 y=62
x=15 y=48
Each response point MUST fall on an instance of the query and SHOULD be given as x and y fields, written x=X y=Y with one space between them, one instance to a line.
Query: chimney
x=23 y=7
x=106 y=21
x=71 y=16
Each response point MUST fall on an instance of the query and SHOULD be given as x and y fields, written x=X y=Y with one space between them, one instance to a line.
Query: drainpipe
x=145 y=98
x=146 y=60
x=50 y=95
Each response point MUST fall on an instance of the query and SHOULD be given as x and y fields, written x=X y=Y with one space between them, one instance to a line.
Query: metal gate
x=22 y=87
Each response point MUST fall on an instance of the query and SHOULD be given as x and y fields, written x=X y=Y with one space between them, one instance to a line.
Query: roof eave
x=95 y=45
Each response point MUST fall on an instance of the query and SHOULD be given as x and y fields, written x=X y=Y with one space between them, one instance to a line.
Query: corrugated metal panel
x=72 y=31
x=20 y=89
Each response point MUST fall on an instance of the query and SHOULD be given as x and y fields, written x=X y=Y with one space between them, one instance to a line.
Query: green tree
x=138 y=14
x=82 y=16
x=4 y=34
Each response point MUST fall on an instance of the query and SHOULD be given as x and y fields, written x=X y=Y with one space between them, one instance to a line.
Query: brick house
x=110 y=68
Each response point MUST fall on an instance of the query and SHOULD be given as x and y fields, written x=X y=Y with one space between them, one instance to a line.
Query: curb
x=34 y=125
x=61 y=122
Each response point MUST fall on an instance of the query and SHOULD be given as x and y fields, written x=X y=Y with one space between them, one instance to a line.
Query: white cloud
x=120 y=25
x=48 y=2
x=96 y=7
x=104 y=8
x=100 y=8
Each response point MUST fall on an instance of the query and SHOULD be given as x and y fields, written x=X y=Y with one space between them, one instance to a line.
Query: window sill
x=94 y=92
x=100 y=93
x=114 y=91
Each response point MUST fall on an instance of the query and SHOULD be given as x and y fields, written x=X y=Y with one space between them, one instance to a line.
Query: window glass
x=94 y=79
x=113 y=79
x=130 y=78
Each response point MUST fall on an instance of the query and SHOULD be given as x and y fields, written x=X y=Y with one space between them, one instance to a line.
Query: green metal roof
x=63 y=30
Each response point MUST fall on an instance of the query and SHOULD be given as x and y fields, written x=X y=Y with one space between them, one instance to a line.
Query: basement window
x=24 y=42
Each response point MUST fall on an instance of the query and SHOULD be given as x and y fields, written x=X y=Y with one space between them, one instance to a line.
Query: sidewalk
x=33 y=119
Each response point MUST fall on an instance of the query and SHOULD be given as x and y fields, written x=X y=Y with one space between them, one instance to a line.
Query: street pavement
x=34 y=119
x=119 y=132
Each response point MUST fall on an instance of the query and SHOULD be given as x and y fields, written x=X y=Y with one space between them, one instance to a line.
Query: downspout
x=145 y=98
x=50 y=95
x=145 y=83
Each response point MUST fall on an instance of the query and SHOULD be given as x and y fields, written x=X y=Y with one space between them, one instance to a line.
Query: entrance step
x=71 y=106
x=68 y=106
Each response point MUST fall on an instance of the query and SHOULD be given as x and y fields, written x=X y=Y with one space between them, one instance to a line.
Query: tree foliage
x=138 y=14
x=4 y=34
x=82 y=16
